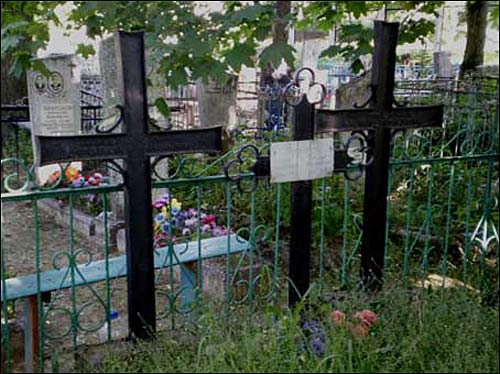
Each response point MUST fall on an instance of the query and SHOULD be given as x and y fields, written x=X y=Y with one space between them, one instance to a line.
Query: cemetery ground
x=376 y=251
x=417 y=329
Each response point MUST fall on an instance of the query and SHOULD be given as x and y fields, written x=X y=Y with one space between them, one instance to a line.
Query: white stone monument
x=54 y=98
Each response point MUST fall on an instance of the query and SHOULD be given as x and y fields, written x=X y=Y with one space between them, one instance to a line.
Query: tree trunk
x=280 y=34
x=477 y=19
x=13 y=89
x=280 y=31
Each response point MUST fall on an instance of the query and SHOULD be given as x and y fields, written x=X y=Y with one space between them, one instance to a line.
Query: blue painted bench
x=185 y=254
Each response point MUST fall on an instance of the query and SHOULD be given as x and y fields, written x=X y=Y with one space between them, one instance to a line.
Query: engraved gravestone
x=442 y=65
x=155 y=90
x=111 y=91
x=108 y=68
x=54 y=98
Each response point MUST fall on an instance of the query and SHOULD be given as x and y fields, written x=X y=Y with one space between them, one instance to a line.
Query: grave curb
x=90 y=228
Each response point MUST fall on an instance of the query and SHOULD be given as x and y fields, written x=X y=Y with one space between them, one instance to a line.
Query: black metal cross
x=381 y=118
x=135 y=146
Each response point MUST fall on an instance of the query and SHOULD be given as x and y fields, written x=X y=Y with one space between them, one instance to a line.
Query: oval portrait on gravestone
x=55 y=84
x=40 y=83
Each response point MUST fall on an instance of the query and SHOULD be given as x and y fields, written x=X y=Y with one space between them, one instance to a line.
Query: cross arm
x=368 y=119
x=202 y=140
x=52 y=149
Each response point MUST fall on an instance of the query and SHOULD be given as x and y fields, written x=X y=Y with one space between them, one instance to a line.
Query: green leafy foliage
x=85 y=50
x=354 y=39
x=494 y=15
x=183 y=44
x=162 y=106
x=186 y=44
x=356 y=42
x=274 y=53
x=25 y=30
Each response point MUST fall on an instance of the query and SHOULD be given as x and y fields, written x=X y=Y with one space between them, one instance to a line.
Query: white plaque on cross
x=301 y=160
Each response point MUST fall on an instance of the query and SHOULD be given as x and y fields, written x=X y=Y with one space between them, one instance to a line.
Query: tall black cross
x=135 y=146
x=380 y=119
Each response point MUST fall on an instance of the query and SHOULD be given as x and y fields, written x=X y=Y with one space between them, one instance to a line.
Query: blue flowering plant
x=315 y=337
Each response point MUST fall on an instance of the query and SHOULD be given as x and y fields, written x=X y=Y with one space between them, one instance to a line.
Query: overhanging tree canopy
x=187 y=43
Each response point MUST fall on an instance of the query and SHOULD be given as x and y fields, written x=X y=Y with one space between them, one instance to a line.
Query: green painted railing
x=442 y=224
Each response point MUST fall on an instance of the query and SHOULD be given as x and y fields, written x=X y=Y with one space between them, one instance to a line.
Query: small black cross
x=380 y=120
x=135 y=146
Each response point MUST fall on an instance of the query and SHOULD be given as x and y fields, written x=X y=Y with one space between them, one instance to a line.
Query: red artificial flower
x=208 y=219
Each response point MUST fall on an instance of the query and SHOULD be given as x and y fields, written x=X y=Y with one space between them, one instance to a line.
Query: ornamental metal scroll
x=294 y=92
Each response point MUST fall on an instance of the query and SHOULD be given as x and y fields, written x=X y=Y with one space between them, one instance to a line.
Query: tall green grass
x=418 y=330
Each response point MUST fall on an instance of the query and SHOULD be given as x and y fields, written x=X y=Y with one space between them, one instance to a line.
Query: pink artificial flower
x=364 y=320
x=338 y=317
x=360 y=330
x=367 y=317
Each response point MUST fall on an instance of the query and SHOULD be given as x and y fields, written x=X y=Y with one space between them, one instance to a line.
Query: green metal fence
x=442 y=225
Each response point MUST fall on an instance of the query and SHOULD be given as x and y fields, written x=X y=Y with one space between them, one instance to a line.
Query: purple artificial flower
x=191 y=213
x=178 y=221
x=78 y=182
x=158 y=204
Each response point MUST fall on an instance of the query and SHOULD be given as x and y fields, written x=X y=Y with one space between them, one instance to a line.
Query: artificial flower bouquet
x=172 y=221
